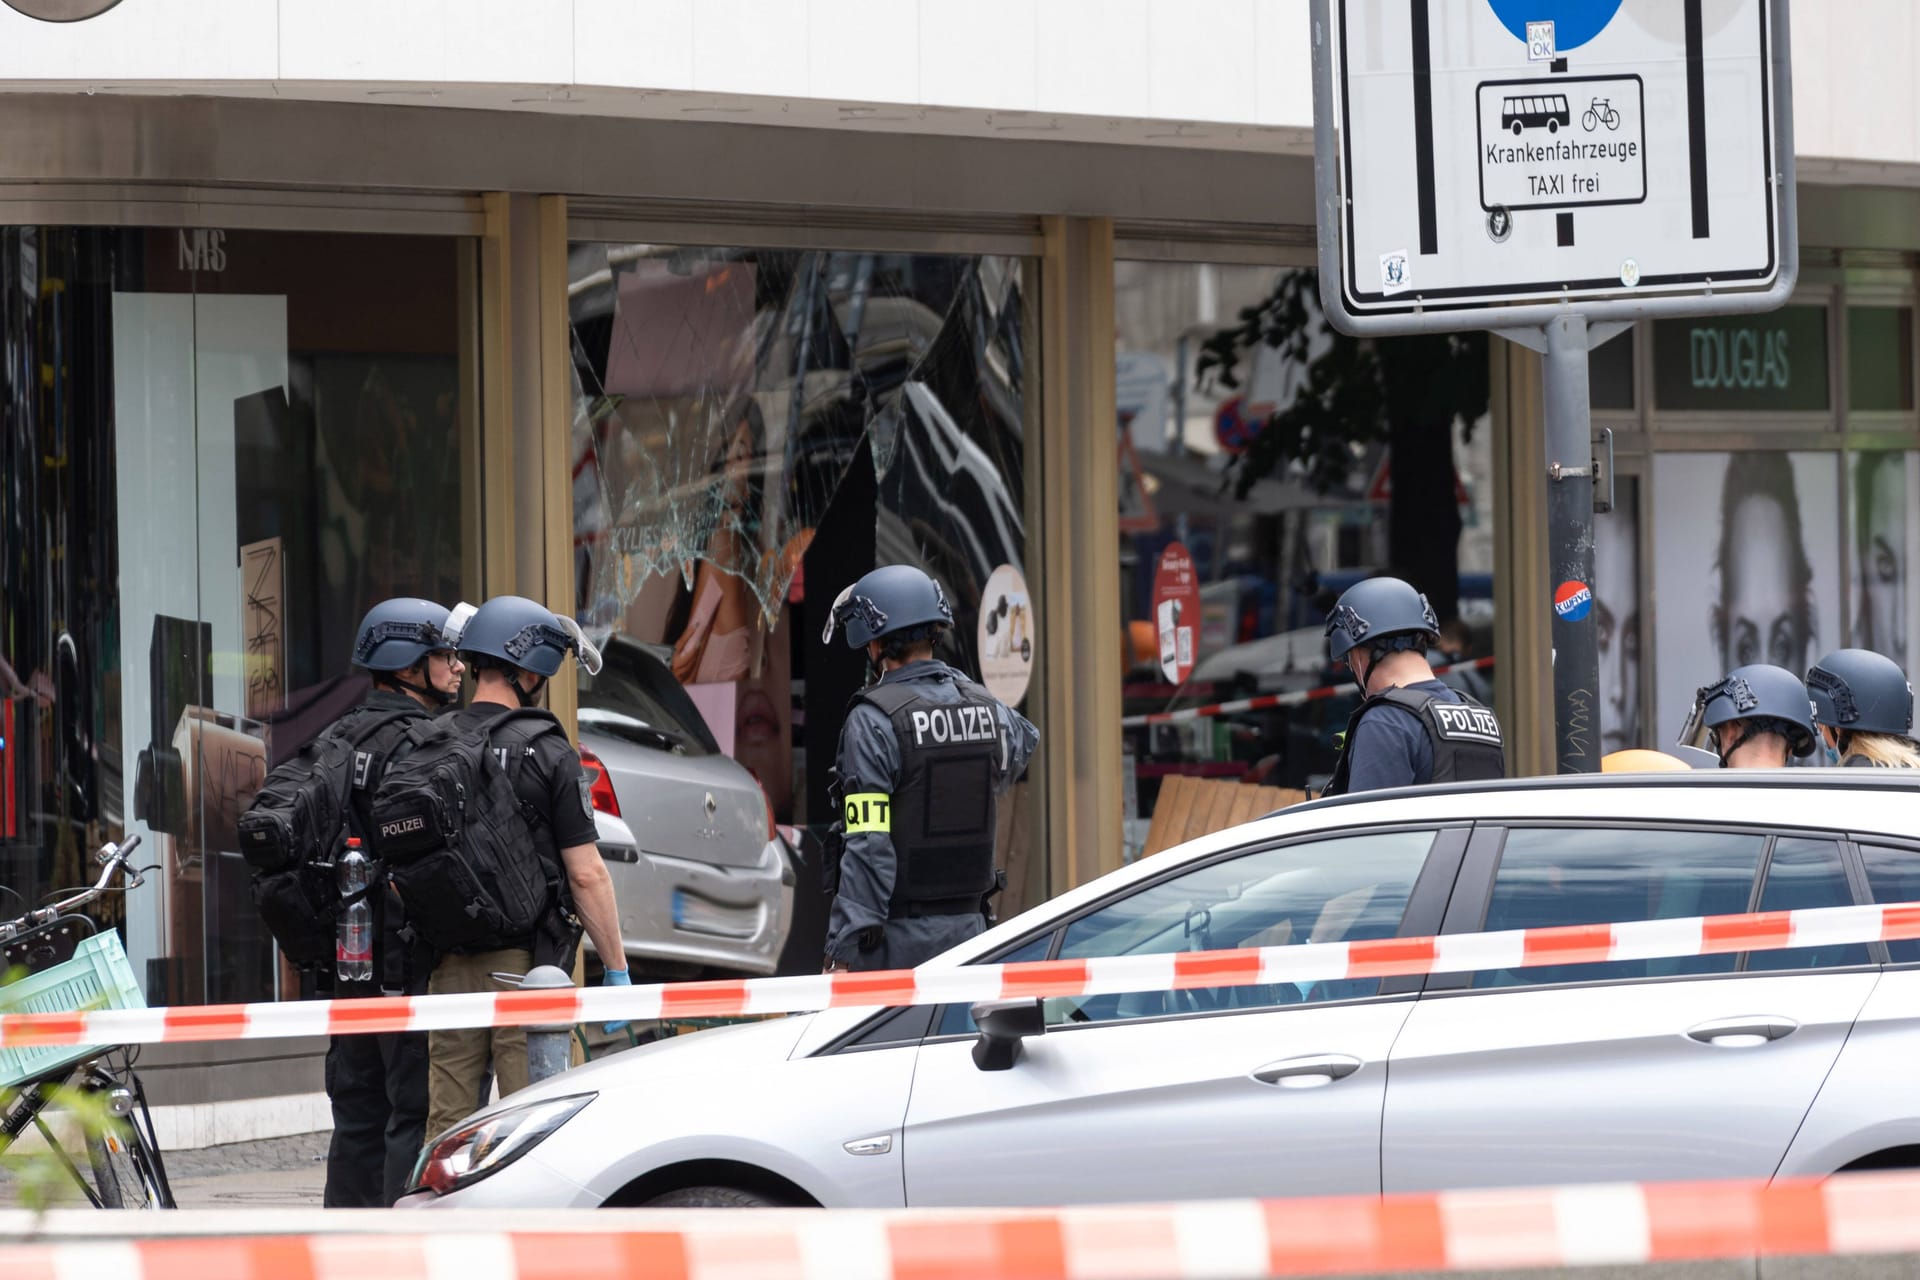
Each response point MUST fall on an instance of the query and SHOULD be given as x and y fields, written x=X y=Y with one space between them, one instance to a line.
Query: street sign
x=1554 y=170
x=1500 y=151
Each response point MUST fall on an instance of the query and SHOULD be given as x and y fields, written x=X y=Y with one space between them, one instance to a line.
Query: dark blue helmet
x=1761 y=692
x=396 y=634
x=1860 y=691
x=1375 y=610
x=526 y=634
x=888 y=601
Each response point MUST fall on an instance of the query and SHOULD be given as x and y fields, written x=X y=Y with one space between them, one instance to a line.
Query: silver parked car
x=1748 y=1066
x=702 y=875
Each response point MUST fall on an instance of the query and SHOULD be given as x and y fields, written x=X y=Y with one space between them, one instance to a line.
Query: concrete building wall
x=1230 y=74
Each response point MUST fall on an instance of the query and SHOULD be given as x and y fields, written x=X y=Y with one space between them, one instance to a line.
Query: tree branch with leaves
x=1407 y=393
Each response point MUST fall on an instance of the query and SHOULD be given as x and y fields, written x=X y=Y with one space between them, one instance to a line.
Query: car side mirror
x=1003 y=1025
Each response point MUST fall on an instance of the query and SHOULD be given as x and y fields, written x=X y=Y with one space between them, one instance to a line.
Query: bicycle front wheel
x=123 y=1174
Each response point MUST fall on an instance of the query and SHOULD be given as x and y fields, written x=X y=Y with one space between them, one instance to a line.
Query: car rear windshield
x=635 y=697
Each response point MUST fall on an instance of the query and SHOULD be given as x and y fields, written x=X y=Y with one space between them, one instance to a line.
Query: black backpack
x=457 y=843
x=297 y=822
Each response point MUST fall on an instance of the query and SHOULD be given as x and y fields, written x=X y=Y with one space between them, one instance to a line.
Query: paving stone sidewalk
x=273 y=1173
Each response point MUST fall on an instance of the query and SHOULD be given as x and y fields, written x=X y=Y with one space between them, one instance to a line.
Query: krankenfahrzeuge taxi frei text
x=1556 y=145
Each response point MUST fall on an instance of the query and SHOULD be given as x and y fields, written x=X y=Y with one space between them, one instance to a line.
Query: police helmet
x=1380 y=609
x=525 y=633
x=1769 y=695
x=396 y=634
x=1860 y=691
x=894 y=599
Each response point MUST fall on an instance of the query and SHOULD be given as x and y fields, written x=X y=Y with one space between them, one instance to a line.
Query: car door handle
x=1309 y=1072
x=1743 y=1033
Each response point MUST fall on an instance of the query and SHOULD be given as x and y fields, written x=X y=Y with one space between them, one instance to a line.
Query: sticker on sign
x=1559 y=143
x=1497 y=151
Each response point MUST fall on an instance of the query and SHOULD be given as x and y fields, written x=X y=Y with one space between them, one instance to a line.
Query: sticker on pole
x=1176 y=611
x=1573 y=601
x=1495 y=151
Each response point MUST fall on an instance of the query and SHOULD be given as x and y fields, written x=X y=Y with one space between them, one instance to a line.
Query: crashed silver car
x=702 y=874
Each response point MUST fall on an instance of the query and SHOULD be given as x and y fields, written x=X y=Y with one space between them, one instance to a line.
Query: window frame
x=1427 y=905
x=1473 y=894
x=1859 y=863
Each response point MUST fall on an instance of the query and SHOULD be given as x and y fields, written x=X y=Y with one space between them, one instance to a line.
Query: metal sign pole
x=1569 y=480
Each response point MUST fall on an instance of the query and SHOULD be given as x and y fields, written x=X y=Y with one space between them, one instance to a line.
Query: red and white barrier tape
x=1250 y=966
x=1448 y=1231
x=1267 y=701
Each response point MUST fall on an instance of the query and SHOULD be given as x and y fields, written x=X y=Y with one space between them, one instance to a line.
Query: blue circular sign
x=1574 y=21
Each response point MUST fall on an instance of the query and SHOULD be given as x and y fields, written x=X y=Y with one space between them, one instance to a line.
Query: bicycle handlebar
x=112 y=856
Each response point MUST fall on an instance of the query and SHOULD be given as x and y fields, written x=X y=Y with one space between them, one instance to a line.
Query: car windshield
x=635 y=697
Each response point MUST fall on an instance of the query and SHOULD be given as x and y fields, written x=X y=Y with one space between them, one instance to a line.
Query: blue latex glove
x=615 y=978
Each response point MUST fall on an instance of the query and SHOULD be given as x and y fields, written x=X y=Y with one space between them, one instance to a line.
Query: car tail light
x=767 y=805
x=600 y=786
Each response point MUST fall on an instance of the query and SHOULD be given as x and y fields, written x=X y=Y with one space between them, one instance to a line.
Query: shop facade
x=685 y=369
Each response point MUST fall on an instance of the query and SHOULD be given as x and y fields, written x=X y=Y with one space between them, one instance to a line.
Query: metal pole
x=1576 y=654
x=549 y=1046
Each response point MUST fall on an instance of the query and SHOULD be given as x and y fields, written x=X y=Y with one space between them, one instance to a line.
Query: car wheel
x=713 y=1198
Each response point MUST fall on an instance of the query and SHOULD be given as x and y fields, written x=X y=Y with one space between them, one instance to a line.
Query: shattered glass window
x=737 y=409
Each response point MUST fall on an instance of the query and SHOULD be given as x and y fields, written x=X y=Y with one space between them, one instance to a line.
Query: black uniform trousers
x=378 y=1087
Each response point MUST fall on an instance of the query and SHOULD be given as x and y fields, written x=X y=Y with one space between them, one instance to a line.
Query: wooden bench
x=1192 y=807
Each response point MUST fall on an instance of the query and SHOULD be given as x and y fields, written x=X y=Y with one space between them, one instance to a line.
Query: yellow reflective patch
x=869 y=812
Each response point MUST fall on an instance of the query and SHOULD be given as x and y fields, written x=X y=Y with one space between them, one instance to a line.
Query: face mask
x=1829 y=754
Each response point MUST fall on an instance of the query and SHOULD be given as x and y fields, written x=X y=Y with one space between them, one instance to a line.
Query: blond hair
x=1886 y=750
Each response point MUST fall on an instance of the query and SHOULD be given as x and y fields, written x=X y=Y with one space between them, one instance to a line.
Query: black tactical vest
x=1464 y=735
x=944 y=804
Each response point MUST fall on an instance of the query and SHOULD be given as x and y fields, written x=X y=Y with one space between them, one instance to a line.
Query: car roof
x=1870 y=800
x=1862 y=801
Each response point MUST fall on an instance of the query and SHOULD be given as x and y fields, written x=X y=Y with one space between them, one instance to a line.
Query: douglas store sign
x=1774 y=363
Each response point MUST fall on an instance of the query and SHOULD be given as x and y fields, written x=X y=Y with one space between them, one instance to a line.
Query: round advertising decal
x=1176 y=611
x=1573 y=600
x=1007 y=639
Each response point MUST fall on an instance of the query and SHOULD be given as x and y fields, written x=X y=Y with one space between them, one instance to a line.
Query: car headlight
x=469 y=1152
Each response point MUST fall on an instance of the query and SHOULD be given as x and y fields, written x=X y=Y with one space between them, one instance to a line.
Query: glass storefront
x=755 y=429
x=1233 y=546
x=218 y=449
x=1777 y=489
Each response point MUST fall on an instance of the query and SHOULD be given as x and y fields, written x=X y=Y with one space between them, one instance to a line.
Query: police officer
x=924 y=754
x=1754 y=717
x=378 y=1083
x=514 y=646
x=1863 y=710
x=1410 y=728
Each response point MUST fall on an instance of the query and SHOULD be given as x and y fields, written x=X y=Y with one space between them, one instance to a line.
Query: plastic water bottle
x=353 y=939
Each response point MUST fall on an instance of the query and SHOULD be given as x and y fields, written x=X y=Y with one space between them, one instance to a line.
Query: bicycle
x=71 y=964
x=1601 y=112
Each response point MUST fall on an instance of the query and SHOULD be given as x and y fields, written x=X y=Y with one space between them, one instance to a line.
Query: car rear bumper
x=678 y=911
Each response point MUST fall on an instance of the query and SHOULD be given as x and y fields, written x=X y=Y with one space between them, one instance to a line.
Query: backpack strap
x=372 y=724
x=524 y=725
x=517 y=731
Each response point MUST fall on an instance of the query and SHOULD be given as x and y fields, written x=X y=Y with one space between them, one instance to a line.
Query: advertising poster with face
x=1749 y=569
x=1877 y=532
x=1616 y=592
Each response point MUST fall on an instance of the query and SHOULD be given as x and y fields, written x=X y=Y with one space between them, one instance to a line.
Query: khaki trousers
x=457 y=1060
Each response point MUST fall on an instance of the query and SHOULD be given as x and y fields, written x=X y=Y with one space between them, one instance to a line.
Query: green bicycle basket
x=98 y=977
